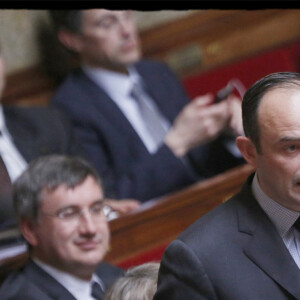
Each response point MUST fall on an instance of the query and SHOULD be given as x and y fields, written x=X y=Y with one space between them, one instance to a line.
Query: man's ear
x=248 y=150
x=29 y=231
x=70 y=40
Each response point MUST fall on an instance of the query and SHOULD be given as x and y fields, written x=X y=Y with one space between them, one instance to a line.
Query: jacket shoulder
x=148 y=65
x=216 y=225
x=109 y=273
x=71 y=87
x=17 y=286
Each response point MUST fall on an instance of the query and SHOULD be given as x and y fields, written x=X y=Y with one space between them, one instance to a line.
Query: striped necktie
x=150 y=115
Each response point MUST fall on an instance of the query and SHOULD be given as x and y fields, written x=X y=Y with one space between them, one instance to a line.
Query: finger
x=203 y=100
x=123 y=206
x=222 y=108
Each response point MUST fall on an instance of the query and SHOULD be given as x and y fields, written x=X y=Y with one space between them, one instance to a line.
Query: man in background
x=136 y=122
x=59 y=201
x=248 y=248
x=27 y=133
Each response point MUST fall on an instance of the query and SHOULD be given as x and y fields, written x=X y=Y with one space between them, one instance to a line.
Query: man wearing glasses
x=60 y=202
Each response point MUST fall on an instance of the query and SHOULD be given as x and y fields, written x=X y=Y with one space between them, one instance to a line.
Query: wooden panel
x=29 y=86
x=223 y=36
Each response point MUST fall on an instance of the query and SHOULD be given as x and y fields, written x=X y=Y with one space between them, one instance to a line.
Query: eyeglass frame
x=106 y=210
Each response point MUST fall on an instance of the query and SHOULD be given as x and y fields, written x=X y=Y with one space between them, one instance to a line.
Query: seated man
x=27 y=133
x=138 y=126
x=248 y=248
x=60 y=201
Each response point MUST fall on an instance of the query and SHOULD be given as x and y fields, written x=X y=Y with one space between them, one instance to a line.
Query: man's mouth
x=88 y=245
x=129 y=45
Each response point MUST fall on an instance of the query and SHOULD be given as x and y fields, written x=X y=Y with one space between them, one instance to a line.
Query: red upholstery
x=286 y=58
x=153 y=255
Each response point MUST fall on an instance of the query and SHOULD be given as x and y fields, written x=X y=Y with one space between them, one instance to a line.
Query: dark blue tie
x=97 y=291
x=297 y=224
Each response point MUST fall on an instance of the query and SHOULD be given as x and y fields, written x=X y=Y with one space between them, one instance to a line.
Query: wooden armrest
x=168 y=216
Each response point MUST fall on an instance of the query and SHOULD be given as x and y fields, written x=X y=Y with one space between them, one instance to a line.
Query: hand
x=124 y=206
x=197 y=123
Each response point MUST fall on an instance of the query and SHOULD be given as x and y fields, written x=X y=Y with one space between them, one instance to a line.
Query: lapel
x=104 y=106
x=158 y=89
x=46 y=283
x=265 y=247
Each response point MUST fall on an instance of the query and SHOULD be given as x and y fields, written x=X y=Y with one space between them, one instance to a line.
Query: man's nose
x=87 y=223
x=126 y=26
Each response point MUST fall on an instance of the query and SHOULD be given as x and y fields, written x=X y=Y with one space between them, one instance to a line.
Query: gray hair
x=47 y=173
x=254 y=95
x=138 y=283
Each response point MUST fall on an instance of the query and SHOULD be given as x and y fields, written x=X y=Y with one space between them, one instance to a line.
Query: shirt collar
x=114 y=83
x=282 y=217
x=79 y=288
x=2 y=119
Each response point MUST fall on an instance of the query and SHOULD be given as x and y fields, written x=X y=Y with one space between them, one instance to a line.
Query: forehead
x=91 y=15
x=84 y=193
x=280 y=108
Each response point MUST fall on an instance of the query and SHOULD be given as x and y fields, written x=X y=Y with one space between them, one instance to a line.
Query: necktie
x=150 y=115
x=297 y=224
x=5 y=182
x=7 y=216
x=97 y=291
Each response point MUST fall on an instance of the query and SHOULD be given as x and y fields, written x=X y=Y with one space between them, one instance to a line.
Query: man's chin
x=130 y=58
x=91 y=260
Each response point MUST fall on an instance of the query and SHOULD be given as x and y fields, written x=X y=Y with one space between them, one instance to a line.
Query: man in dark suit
x=248 y=248
x=60 y=201
x=27 y=133
x=141 y=152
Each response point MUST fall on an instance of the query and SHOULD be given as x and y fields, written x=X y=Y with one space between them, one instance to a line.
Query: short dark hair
x=67 y=19
x=47 y=173
x=253 y=96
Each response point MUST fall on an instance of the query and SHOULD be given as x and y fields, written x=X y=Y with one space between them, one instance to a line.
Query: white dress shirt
x=80 y=289
x=283 y=219
x=118 y=86
x=11 y=156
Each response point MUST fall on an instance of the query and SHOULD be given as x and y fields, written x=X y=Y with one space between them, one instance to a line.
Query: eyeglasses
x=73 y=213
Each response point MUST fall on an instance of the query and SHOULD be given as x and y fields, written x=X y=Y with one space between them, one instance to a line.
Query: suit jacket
x=232 y=253
x=33 y=283
x=127 y=168
x=37 y=131
x=40 y=131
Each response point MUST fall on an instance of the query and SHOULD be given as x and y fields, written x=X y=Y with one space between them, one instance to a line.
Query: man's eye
x=107 y=23
x=291 y=148
x=97 y=208
x=68 y=213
